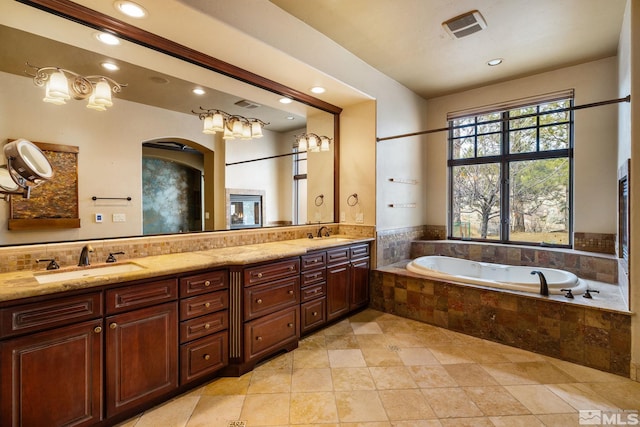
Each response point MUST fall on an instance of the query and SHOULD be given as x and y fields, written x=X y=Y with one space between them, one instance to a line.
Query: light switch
x=98 y=217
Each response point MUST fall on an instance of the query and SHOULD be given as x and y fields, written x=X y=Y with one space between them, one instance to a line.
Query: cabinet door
x=142 y=356
x=53 y=378
x=338 y=291
x=359 y=283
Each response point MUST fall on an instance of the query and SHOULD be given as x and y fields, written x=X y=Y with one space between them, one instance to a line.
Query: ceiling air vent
x=247 y=104
x=465 y=24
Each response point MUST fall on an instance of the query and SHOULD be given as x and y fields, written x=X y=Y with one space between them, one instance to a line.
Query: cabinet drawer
x=311 y=277
x=203 y=356
x=203 y=304
x=269 y=297
x=273 y=271
x=142 y=295
x=203 y=325
x=312 y=292
x=312 y=314
x=270 y=332
x=48 y=314
x=359 y=251
x=203 y=283
x=314 y=260
x=337 y=256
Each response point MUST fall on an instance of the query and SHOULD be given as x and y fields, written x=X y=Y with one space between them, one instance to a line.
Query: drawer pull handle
x=97 y=329
x=206 y=357
x=315 y=291
x=258 y=301
x=207 y=304
x=259 y=275
x=207 y=283
x=290 y=325
x=113 y=325
x=258 y=338
x=207 y=326
x=290 y=292
x=291 y=268
x=314 y=314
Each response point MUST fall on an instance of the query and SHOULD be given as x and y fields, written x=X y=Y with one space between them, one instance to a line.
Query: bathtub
x=517 y=278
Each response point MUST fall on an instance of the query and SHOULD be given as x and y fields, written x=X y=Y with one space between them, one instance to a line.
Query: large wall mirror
x=149 y=146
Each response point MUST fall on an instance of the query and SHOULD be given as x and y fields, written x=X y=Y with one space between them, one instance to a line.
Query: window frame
x=506 y=158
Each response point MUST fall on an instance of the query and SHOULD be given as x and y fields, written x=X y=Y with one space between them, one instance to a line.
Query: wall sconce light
x=232 y=126
x=312 y=142
x=26 y=167
x=60 y=85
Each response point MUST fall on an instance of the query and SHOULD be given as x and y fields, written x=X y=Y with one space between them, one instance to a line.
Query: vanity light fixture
x=232 y=126
x=26 y=167
x=312 y=142
x=62 y=85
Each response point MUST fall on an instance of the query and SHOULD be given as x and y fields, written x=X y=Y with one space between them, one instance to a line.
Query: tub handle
x=568 y=293
x=587 y=293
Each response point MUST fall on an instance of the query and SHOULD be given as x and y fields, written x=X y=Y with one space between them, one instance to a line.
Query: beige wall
x=595 y=140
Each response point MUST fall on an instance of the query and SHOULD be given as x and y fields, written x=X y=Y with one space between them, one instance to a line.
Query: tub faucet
x=84 y=256
x=544 y=288
x=324 y=227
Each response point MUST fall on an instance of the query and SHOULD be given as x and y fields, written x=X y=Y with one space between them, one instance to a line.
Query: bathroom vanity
x=99 y=349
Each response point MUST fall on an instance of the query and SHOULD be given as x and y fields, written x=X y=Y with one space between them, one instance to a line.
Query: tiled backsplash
x=13 y=258
x=589 y=336
x=595 y=242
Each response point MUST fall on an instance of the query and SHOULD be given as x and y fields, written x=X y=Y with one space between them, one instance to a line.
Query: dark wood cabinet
x=53 y=378
x=347 y=280
x=141 y=356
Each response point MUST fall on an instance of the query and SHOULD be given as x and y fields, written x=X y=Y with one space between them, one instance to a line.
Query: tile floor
x=376 y=369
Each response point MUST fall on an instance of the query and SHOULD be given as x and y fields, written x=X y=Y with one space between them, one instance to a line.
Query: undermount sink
x=81 y=273
x=329 y=240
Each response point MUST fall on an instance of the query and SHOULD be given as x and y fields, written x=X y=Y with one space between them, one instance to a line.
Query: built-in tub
x=518 y=278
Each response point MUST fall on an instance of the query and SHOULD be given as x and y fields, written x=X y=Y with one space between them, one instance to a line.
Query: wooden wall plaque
x=53 y=204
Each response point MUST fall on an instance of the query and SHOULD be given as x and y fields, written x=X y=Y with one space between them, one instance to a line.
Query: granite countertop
x=23 y=284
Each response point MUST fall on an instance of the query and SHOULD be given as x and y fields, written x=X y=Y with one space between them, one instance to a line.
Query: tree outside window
x=510 y=175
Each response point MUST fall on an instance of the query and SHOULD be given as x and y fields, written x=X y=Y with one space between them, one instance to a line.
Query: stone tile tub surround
x=17 y=258
x=590 y=336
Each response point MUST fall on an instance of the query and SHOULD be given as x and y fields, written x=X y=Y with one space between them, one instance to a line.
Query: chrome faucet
x=544 y=288
x=324 y=227
x=84 y=256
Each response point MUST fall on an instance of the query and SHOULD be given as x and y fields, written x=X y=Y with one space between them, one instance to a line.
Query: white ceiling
x=405 y=40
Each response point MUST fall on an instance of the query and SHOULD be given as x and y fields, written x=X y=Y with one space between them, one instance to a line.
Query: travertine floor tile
x=495 y=400
x=469 y=374
x=392 y=377
x=346 y=358
x=313 y=408
x=379 y=370
x=266 y=409
x=215 y=411
x=352 y=379
x=315 y=379
x=539 y=399
x=406 y=405
x=359 y=406
x=451 y=403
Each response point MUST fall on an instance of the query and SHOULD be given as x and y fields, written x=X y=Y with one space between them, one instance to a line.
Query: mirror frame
x=99 y=21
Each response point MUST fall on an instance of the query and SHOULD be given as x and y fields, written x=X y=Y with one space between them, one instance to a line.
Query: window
x=510 y=173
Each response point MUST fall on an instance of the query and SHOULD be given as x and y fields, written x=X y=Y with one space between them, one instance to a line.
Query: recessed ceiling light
x=318 y=89
x=494 y=62
x=286 y=100
x=198 y=91
x=290 y=118
x=110 y=66
x=131 y=9
x=108 y=38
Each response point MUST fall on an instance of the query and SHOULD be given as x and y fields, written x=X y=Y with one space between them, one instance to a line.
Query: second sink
x=58 y=276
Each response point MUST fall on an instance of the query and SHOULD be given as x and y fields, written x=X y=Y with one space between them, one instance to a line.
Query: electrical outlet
x=119 y=217
x=343 y=217
x=360 y=218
